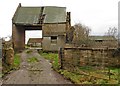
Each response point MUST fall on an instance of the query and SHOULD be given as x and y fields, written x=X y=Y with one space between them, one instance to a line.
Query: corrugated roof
x=27 y=15
x=54 y=14
x=102 y=38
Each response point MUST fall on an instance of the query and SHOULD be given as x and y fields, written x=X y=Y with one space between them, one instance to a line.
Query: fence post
x=61 y=52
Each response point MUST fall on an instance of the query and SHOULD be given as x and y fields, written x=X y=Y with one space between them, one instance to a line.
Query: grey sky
x=99 y=15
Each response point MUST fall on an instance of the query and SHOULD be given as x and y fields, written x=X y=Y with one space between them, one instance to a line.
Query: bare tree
x=81 y=34
x=112 y=31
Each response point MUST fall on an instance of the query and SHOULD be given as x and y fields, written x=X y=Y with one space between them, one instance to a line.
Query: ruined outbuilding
x=35 y=42
x=103 y=41
x=53 y=21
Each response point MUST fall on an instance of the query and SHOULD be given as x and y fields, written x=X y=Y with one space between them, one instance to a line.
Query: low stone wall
x=7 y=53
x=71 y=58
x=7 y=57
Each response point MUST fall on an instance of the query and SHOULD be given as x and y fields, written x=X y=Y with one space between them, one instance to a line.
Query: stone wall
x=53 y=29
x=18 y=37
x=48 y=46
x=7 y=53
x=49 y=30
x=71 y=58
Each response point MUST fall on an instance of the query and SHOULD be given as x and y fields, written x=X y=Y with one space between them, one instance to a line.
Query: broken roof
x=54 y=14
x=31 y=15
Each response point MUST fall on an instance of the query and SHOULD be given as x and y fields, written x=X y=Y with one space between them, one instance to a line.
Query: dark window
x=53 y=39
x=98 y=40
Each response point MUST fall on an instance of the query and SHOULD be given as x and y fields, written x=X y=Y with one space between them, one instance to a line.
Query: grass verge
x=90 y=79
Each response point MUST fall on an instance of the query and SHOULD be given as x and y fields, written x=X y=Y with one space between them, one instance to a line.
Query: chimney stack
x=69 y=18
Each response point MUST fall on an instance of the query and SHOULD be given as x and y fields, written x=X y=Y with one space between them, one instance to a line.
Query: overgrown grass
x=32 y=60
x=115 y=73
x=53 y=57
x=87 y=79
x=71 y=76
x=17 y=61
x=114 y=70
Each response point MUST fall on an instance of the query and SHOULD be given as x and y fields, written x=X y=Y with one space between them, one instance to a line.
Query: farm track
x=34 y=73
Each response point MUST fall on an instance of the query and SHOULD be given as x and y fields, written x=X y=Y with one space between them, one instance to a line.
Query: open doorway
x=33 y=38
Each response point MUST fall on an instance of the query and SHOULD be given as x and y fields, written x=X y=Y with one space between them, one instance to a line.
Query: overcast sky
x=99 y=15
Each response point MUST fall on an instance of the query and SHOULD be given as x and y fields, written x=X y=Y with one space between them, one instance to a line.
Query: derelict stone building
x=53 y=21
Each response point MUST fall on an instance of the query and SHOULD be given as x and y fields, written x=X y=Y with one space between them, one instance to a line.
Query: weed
x=32 y=60
x=17 y=60
x=53 y=57
x=28 y=51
